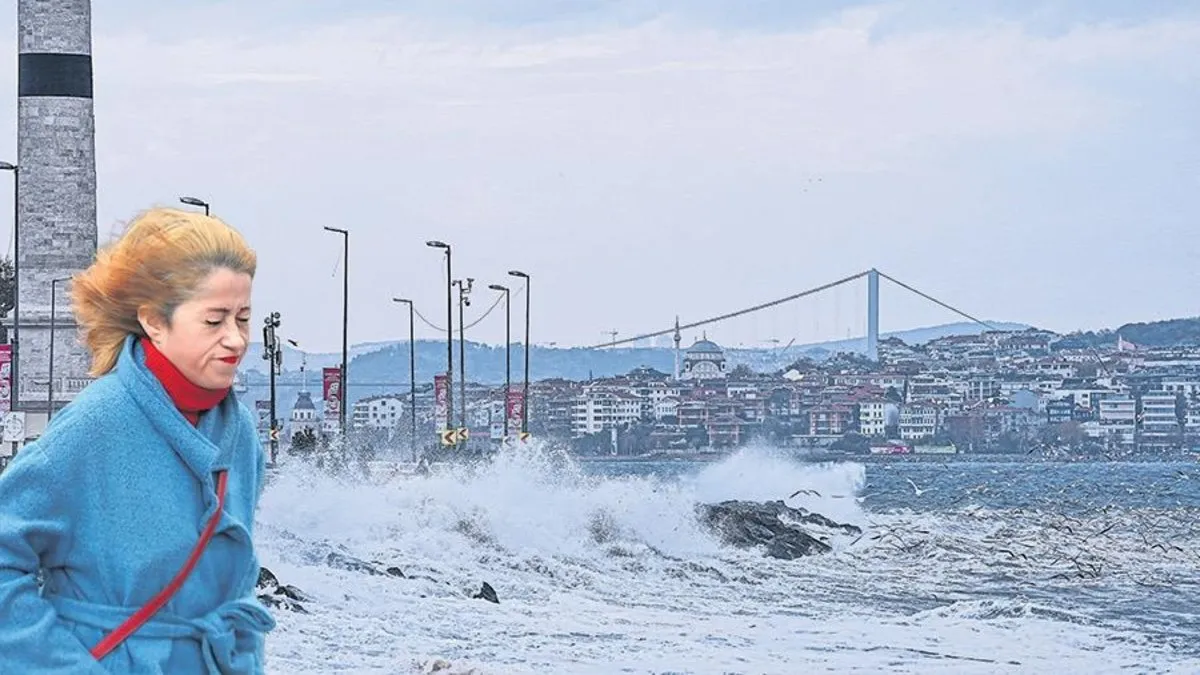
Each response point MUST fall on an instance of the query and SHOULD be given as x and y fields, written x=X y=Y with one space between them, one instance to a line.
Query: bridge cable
x=732 y=315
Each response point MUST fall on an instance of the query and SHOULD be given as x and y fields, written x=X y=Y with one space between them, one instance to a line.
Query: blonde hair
x=159 y=263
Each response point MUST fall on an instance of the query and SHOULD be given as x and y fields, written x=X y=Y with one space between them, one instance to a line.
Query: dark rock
x=772 y=525
x=351 y=564
x=281 y=602
x=266 y=578
x=273 y=594
x=486 y=593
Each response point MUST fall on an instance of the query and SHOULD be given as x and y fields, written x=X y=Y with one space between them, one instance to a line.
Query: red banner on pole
x=441 y=402
x=332 y=392
x=513 y=409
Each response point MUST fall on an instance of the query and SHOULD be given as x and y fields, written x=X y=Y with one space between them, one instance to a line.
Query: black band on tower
x=44 y=74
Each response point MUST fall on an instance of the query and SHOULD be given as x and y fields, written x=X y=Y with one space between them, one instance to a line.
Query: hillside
x=381 y=367
x=1168 y=333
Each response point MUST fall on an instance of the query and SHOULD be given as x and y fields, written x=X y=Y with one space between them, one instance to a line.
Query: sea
x=986 y=565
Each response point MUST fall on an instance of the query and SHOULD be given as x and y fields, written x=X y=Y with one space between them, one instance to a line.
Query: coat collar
x=203 y=449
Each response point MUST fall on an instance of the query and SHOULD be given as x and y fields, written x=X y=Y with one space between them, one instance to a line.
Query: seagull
x=805 y=492
x=916 y=489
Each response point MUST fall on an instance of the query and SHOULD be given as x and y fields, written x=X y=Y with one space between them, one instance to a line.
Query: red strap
x=133 y=623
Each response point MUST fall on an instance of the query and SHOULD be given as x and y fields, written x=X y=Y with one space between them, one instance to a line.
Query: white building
x=378 y=412
x=666 y=407
x=918 y=421
x=1118 y=419
x=1160 y=420
x=304 y=416
x=874 y=417
x=596 y=410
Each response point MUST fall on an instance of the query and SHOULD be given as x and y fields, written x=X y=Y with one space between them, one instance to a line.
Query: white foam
x=600 y=574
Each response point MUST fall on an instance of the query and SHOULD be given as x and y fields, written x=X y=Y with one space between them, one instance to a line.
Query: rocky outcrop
x=349 y=563
x=774 y=526
x=487 y=593
x=280 y=596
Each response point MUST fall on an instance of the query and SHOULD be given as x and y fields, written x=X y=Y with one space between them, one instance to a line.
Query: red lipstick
x=231 y=360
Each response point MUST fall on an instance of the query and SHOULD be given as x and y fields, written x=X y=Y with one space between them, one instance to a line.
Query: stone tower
x=56 y=187
x=678 y=338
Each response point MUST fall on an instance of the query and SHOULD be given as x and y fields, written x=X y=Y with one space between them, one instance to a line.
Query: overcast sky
x=1036 y=162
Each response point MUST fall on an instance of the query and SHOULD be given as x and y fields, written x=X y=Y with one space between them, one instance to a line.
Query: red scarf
x=191 y=399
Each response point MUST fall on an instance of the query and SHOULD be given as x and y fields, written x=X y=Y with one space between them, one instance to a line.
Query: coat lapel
x=200 y=449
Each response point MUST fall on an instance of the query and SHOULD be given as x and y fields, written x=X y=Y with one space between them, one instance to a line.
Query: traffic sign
x=448 y=436
x=275 y=434
x=524 y=436
x=463 y=434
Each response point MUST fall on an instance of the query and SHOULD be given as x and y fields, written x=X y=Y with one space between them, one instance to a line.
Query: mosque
x=704 y=360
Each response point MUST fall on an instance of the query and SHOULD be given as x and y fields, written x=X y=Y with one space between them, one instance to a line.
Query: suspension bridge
x=873 y=277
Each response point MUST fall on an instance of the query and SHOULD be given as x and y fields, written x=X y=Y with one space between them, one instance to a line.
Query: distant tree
x=852 y=442
x=893 y=395
x=741 y=372
x=8 y=292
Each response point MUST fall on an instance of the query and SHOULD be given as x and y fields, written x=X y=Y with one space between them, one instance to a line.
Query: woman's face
x=208 y=334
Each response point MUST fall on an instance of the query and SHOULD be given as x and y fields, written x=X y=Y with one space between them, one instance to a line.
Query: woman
x=125 y=485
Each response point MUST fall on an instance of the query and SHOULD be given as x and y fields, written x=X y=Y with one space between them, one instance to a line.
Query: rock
x=486 y=593
x=273 y=594
x=352 y=564
x=772 y=525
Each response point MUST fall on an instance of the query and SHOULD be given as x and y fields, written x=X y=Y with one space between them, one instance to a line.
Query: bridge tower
x=873 y=314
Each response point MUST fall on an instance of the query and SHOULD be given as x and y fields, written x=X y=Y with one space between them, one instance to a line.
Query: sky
x=1031 y=161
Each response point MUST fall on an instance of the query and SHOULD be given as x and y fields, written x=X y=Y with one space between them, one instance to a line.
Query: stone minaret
x=56 y=186
x=678 y=339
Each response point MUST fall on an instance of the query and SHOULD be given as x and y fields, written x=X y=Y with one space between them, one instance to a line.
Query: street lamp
x=412 y=373
x=449 y=331
x=50 y=380
x=464 y=289
x=507 y=351
x=274 y=357
x=16 y=332
x=195 y=201
x=345 y=326
x=525 y=395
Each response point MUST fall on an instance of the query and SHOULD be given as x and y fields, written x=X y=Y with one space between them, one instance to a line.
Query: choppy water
x=994 y=567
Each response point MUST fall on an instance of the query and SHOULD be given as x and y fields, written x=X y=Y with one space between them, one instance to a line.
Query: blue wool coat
x=106 y=506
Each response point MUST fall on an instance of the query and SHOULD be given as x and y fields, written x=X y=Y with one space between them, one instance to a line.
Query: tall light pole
x=525 y=395
x=507 y=351
x=412 y=374
x=464 y=289
x=345 y=327
x=195 y=201
x=449 y=331
x=50 y=378
x=16 y=246
x=274 y=357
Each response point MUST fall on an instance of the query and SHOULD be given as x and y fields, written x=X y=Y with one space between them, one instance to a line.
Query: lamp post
x=16 y=332
x=274 y=357
x=464 y=289
x=195 y=201
x=412 y=374
x=449 y=330
x=345 y=326
x=50 y=379
x=525 y=391
x=507 y=351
